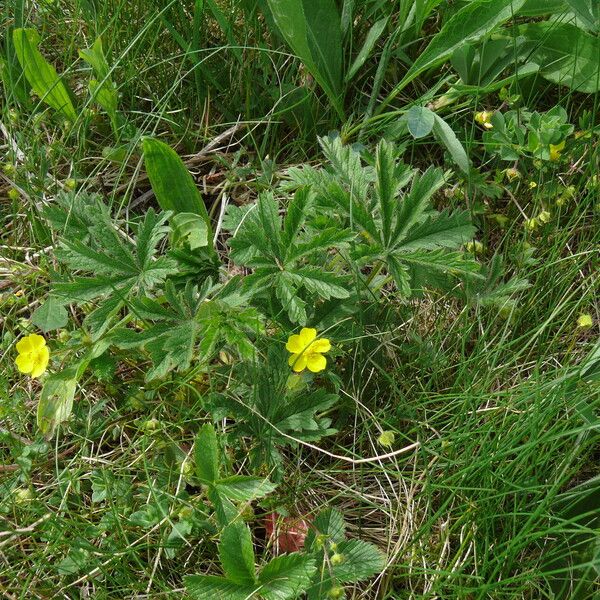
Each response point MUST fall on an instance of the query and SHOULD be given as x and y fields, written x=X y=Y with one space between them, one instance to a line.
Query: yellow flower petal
x=41 y=358
x=316 y=362
x=307 y=335
x=24 y=363
x=293 y=358
x=30 y=343
x=294 y=344
x=37 y=341
x=322 y=345
x=24 y=346
x=299 y=363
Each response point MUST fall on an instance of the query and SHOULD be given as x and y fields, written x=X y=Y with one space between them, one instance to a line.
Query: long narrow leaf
x=40 y=74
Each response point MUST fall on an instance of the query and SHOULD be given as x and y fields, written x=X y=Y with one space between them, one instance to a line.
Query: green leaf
x=370 y=41
x=206 y=454
x=172 y=183
x=56 y=400
x=319 y=282
x=471 y=23
x=190 y=228
x=121 y=267
x=102 y=88
x=313 y=31
x=588 y=12
x=361 y=561
x=243 y=488
x=211 y=587
x=444 y=230
x=537 y=8
x=225 y=511
x=420 y=121
x=94 y=56
x=566 y=54
x=445 y=135
x=286 y=577
x=329 y=523
x=40 y=74
x=237 y=554
x=51 y=315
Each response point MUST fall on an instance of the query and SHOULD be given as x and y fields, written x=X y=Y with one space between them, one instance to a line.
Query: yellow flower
x=585 y=321
x=555 y=150
x=532 y=185
x=307 y=351
x=33 y=355
x=485 y=118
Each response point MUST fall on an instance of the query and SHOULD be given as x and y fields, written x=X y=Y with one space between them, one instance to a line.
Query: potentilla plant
x=311 y=250
x=154 y=294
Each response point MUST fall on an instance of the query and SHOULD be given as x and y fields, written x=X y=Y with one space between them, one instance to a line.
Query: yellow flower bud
x=475 y=247
x=544 y=216
x=585 y=321
x=531 y=224
x=387 y=439
x=485 y=118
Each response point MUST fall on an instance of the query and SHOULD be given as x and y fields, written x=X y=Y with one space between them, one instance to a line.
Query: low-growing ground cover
x=299 y=299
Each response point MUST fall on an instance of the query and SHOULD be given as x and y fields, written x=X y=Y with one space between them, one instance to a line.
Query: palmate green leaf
x=298 y=413
x=117 y=263
x=173 y=349
x=278 y=252
x=72 y=214
x=98 y=320
x=237 y=554
x=212 y=587
x=244 y=488
x=207 y=454
x=472 y=22
x=287 y=292
x=259 y=234
x=286 y=577
x=322 y=283
x=296 y=214
x=41 y=75
x=415 y=205
x=346 y=164
x=442 y=230
x=332 y=237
